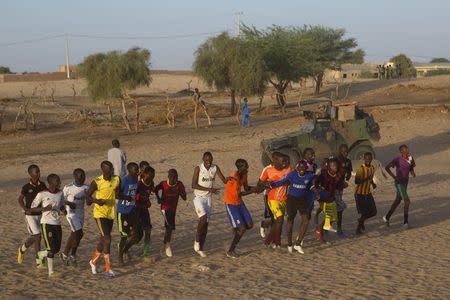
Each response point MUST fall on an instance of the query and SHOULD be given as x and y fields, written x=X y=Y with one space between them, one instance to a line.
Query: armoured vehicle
x=328 y=126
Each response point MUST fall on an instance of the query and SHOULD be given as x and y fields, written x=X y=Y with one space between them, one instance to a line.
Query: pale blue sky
x=383 y=28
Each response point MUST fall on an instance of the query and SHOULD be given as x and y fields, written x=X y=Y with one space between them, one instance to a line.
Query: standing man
x=106 y=188
x=203 y=185
x=245 y=114
x=118 y=159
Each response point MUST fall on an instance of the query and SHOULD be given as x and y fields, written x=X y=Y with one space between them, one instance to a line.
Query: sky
x=383 y=28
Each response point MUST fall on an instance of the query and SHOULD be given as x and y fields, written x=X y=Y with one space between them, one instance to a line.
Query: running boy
x=345 y=168
x=365 y=204
x=75 y=197
x=28 y=193
x=50 y=203
x=126 y=211
x=404 y=165
x=238 y=214
x=203 y=184
x=106 y=188
x=300 y=183
x=327 y=182
x=145 y=188
x=309 y=156
x=276 y=197
x=171 y=190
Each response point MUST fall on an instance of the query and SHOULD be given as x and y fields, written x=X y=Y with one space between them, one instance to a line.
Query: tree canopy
x=404 y=65
x=113 y=74
x=439 y=60
x=5 y=70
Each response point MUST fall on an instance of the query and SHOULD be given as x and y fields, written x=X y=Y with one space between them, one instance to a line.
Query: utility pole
x=238 y=23
x=67 y=57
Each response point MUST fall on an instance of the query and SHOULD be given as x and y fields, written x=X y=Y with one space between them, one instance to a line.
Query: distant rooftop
x=431 y=65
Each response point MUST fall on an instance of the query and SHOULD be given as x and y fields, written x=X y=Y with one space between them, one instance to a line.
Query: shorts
x=104 y=225
x=125 y=222
x=277 y=208
x=75 y=222
x=267 y=213
x=402 y=193
x=144 y=218
x=169 y=218
x=33 y=224
x=340 y=204
x=238 y=215
x=365 y=205
x=52 y=237
x=294 y=205
x=203 y=206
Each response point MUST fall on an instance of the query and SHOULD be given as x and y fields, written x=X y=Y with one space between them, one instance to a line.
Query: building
x=423 y=68
x=351 y=71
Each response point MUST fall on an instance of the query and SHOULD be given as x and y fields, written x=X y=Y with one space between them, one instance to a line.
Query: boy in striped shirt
x=365 y=203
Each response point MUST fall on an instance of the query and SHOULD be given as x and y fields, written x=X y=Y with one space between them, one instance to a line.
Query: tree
x=330 y=50
x=439 y=60
x=5 y=70
x=231 y=64
x=114 y=74
x=403 y=66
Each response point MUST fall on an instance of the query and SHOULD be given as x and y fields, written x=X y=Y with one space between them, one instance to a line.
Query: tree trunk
x=233 y=102
x=125 y=115
x=280 y=88
x=195 y=113
x=17 y=116
x=136 y=107
x=108 y=105
x=260 y=101
x=318 y=80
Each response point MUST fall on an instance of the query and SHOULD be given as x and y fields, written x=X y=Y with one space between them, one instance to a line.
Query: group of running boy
x=127 y=199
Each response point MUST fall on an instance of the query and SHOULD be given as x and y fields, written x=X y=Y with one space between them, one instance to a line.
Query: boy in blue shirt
x=245 y=114
x=126 y=210
x=300 y=184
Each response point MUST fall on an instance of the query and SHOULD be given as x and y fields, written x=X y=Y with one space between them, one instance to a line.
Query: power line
x=45 y=38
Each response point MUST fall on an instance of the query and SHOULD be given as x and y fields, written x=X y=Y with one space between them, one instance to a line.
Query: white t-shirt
x=118 y=158
x=56 y=200
x=77 y=195
x=206 y=179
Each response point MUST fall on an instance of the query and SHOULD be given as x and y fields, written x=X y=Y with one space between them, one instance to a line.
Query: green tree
x=5 y=70
x=439 y=60
x=114 y=74
x=330 y=50
x=404 y=66
x=231 y=64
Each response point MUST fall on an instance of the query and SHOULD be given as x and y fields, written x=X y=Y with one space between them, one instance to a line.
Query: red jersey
x=170 y=194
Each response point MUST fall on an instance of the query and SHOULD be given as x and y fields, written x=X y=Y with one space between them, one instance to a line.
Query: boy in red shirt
x=145 y=189
x=238 y=214
x=172 y=190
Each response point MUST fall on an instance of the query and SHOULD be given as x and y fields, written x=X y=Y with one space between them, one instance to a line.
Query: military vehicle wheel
x=357 y=153
x=265 y=159
x=293 y=155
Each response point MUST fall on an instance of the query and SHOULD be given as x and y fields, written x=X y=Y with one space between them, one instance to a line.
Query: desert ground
x=383 y=263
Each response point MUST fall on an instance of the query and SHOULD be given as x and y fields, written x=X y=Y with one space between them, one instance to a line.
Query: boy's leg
x=79 y=236
x=303 y=227
x=405 y=211
x=238 y=233
x=291 y=212
x=393 y=207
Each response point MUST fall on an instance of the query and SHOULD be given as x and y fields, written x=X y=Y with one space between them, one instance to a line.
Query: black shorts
x=104 y=226
x=294 y=205
x=144 y=218
x=169 y=218
x=365 y=205
x=52 y=237
x=126 y=222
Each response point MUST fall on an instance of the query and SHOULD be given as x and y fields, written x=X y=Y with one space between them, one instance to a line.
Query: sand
x=384 y=263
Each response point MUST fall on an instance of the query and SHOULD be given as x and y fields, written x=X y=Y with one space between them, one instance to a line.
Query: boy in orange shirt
x=238 y=214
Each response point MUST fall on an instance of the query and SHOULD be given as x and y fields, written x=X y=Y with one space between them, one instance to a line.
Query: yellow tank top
x=106 y=190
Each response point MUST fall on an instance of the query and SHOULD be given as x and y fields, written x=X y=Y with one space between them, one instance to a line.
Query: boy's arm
x=89 y=195
x=280 y=182
x=413 y=165
x=219 y=173
x=157 y=189
x=349 y=171
x=182 y=191
x=36 y=205
x=21 y=202
x=388 y=169
x=196 y=186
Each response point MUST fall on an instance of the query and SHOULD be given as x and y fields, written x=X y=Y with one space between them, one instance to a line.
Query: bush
x=367 y=74
x=437 y=72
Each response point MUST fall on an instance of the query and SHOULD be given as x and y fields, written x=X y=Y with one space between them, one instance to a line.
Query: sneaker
x=73 y=260
x=232 y=254
x=64 y=259
x=318 y=234
x=405 y=226
x=110 y=274
x=299 y=249
x=329 y=228
x=196 y=246
x=20 y=256
x=341 y=234
x=262 y=232
x=41 y=263
x=201 y=253
x=359 y=230
x=386 y=220
x=94 y=268
x=290 y=249
x=276 y=247
x=168 y=251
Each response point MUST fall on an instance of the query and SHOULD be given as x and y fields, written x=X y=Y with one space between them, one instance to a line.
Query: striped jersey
x=364 y=172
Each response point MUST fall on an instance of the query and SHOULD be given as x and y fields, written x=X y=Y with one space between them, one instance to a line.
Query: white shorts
x=203 y=206
x=33 y=224
x=75 y=222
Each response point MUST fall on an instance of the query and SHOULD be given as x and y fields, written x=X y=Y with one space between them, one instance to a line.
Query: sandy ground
x=384 y=263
